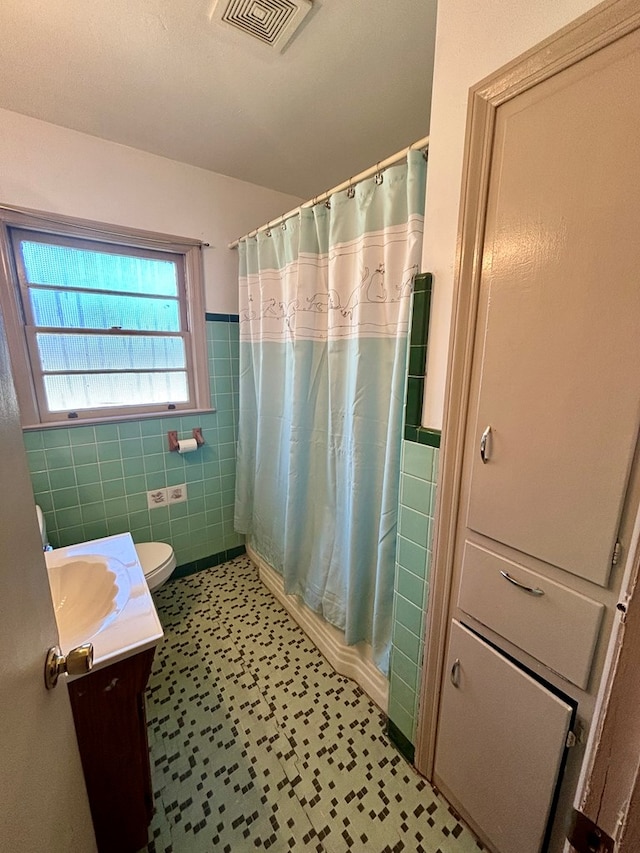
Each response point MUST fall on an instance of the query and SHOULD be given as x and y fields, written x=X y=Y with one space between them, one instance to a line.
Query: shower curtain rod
x=361 y=176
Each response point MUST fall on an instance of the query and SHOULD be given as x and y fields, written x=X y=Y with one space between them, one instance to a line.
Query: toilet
x=158 y=562
x=157 y=559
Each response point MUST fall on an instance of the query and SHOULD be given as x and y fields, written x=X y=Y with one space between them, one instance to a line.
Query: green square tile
x=402 y=719
x=56 y=438
x=179 y=510
x=93 y=512
x=218 y=329
x=133 y=467
x=407 y=643
x=405 y=669
x=37 y=460
x=197 y=521
x=33 y=440
x=129 y=429
x=413 y=558
x=68 y=517
x=108 y=451
x=179 y=525
x=113 y=489
x=153 y=462
x=417 y=460
x=111 y=470
x=401 y=692
x=115 y=506
x=415 y=493
x=409 y=586
x=140 y=518
x=409 y=615
x=58 y=457
x=160 y=530
x=62 y=478
x=70 y=536
x=141 y=534
x=136 y=502
x=152 y=426
x=414 y=526
x=40 y=482
x=419 y=318
x=156 y=481
x=82 y=435
x=65 y=498
x=85 y=454
x=196 y=490
x=95 y=530
x=196 y=504
x=86 y=474
x=214 y=516
x=136 y=484
x=45 y=501
x=106 y=432
x=131 y=448
x=117 y=524
x=90 y=493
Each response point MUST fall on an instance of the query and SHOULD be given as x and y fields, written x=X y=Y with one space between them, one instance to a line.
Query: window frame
x=14 y=302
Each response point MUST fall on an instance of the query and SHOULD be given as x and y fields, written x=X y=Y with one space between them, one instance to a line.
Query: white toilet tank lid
x=153 y=555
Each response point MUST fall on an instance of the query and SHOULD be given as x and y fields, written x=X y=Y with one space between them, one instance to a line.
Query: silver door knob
x=78 y=662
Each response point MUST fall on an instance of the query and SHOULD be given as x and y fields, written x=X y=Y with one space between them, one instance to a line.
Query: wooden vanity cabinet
x=111 y=727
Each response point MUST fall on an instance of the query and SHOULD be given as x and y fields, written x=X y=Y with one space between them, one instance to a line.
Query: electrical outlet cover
x=177 y=494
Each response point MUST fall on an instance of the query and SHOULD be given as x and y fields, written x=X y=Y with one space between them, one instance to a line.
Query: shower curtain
x=324 y=317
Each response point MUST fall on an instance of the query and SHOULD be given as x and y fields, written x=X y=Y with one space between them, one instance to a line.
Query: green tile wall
x=413 y=559
x=91 y=481
x=420 y=453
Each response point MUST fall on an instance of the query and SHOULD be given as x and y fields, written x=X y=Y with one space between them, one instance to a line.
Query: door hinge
x=617 y=550
x=572 y=740
x=585 y=837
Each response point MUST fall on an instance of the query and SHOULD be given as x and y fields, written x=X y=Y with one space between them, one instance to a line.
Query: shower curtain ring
x=327 y=203
x=351 y=190
x=283 y=224
x=378 y=177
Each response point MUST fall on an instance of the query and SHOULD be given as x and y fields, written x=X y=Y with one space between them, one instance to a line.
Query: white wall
x=473 y=40
x=53 y=169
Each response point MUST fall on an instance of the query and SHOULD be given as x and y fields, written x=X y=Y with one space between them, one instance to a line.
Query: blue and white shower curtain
x=324 y=318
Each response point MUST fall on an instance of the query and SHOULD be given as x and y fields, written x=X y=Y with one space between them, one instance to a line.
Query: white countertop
x=103 y=600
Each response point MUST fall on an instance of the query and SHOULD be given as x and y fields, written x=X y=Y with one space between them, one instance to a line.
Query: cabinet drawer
x=558 y=627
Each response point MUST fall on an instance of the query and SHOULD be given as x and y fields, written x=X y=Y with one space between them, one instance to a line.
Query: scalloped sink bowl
x=87 y=596
x=100 y=596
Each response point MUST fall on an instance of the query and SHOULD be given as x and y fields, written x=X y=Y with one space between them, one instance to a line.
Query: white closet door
x=560 y=305
x=501 y=739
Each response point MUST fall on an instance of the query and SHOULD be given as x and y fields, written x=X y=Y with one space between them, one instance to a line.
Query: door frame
x=598 y=28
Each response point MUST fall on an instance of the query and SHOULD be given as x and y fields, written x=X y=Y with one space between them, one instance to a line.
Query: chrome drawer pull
x=484 y=455
x=532 y=590
x=455 y=673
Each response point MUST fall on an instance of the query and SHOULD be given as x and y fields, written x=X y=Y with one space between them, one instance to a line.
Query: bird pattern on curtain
x=324 y=317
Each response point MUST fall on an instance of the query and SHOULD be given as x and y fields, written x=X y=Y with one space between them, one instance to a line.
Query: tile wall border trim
x=222 y=318
x=187 y=569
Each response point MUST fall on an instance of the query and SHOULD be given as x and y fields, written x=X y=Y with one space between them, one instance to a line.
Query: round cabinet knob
x=79 y=661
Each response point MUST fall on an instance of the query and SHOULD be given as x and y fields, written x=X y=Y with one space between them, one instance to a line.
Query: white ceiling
x=352 y=87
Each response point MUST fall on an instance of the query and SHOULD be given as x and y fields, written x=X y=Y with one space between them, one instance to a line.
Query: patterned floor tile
x=257 y=744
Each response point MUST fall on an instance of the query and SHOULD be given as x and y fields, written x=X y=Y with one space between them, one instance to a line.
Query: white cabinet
x=540 y=475
x=501 y=742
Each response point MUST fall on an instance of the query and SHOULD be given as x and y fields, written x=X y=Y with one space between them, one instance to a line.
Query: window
x=102 y=323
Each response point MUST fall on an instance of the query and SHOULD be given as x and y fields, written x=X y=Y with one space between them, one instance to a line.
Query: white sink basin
x=87 y=596
x=100 y=596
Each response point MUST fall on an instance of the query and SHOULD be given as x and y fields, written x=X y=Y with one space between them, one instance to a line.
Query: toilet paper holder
x=172 y=435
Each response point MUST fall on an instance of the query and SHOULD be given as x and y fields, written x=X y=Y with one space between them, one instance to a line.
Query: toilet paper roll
x=187 y=445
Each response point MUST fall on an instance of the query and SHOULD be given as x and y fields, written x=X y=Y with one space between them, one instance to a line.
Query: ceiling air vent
x=272 y=22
